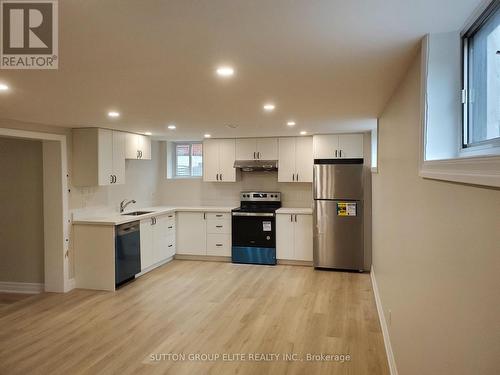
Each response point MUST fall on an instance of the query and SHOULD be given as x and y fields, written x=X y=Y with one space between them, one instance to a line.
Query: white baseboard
x=156 y=265
x=385 y=330
x=28 y=288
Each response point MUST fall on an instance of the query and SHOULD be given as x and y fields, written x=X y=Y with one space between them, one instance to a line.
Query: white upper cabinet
x=295 y=159
x=138 y=147
x=98 y=157
x=257 y=149
x=338 y=146
x=218 y=160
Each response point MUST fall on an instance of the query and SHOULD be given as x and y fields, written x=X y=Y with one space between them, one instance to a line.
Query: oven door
x=253 y=238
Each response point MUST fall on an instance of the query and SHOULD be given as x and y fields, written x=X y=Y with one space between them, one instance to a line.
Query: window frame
x=476 y=148
x=174 y=159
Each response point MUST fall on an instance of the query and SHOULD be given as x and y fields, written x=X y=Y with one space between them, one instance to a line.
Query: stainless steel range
x=254 y=228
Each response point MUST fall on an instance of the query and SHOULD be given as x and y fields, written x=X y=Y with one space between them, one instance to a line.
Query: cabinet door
x=144 y=146
x=324 y=146
x=191 y=233
x=246 y=149
x=267 y=148
x=131 y=146
x=303 y=237
x=350 y=146
x=284 y=236
x=119 y=144
x=286 y=160
x=160 y=250
x=210 y=160
x=105 y=156
x=147 y=257
x=227 y=154
x=303 y=159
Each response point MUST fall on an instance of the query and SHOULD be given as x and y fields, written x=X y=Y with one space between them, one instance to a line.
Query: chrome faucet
x=124 y=203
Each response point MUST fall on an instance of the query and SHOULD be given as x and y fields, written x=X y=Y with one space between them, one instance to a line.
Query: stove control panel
x=259 y=196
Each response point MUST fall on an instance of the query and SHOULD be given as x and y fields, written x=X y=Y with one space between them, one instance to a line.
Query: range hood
x=256 y=165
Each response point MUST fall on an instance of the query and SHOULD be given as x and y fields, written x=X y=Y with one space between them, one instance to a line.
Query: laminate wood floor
x=199 y=308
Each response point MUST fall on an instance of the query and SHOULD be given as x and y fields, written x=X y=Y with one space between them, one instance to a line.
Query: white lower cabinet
x=204 y=233
x=157 y=240
x=294 y=238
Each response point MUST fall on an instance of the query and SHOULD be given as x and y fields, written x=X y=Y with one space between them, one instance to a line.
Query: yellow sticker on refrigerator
x=346 y=209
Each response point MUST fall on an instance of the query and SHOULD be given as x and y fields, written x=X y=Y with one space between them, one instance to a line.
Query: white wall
x=21 y=218
x=193 y=192
x=436 y=254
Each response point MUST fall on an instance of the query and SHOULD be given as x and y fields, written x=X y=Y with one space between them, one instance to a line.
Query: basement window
x=187 y=159
x=461 y=102
x=481 y=95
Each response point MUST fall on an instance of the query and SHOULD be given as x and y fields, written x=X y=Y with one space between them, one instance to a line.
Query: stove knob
x=268 y=238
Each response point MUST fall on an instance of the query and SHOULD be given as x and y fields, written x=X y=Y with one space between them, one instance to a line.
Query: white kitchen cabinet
x=138 y=146
x=191 y=233
x=98 y=157
x=257 y=149
x=295 y=159
x=157 y=239
x=147 y=252
x=338 y=146
x=204 y=233
x=218 y=160
x=294 y=238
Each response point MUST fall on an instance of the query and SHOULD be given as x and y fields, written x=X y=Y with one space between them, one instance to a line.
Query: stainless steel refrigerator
x=339 y=214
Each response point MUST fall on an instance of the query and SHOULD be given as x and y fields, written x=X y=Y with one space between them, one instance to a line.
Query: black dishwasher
x=127 y=252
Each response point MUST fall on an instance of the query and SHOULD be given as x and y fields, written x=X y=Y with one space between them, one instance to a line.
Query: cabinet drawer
x=219 y=244
x=218 y=215
x=219 y=226
x=170 y=225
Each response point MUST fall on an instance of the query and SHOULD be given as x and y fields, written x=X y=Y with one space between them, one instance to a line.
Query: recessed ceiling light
x=207 y=135
x=269 y=107
x=303 y=132
x=225 y=71
x=148 y=133
x=113 y=114
x=171 y=126
x=4 y=87
x=291 y=123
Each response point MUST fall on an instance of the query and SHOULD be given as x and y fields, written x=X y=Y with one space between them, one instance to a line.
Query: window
x=482 y=80
x=188 y=159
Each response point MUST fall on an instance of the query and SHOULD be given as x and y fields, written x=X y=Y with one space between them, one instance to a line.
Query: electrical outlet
x=389 y=317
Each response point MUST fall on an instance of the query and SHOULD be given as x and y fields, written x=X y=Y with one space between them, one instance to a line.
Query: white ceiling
x=328 y=64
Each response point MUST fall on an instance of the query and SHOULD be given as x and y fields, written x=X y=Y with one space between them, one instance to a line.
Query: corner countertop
x=297 y=211
x=117 y=218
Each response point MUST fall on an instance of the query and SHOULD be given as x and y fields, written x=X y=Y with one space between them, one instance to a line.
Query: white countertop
x=117 y=218
x=297 y=211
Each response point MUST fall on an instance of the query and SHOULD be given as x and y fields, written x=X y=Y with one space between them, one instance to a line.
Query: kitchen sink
x=137 y=213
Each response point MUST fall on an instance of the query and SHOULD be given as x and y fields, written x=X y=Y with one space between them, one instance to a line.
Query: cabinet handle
x=138 y=154
x=170 y=245
x=291 y=218
x=295 y=218
x=204 y=215
x=335 y=153
x=258 y=155
x=218 y=226
x=170 y=215
x=340 y=153
x=110 y=178
x=218 y=215
x=170 y=227
x=218 y=244
x=221 y=176
x=297 y=177
x=217 y=177
x=116 y=178
x=293 y=176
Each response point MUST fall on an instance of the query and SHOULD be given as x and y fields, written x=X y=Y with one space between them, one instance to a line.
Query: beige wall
x=21 y=218
x=436 y=254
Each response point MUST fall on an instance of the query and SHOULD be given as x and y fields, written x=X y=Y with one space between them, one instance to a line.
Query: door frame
x=55 y=206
